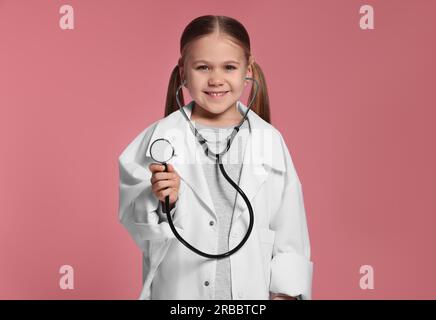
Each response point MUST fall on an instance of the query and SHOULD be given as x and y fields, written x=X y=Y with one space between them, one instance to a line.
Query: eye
x=201 y=67
x=231 y=67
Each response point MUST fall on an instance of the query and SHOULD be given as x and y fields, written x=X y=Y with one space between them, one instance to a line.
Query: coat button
x=211 y=223
x=206 y=283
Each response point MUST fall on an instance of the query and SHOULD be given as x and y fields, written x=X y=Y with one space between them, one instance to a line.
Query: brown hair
x=206 y=25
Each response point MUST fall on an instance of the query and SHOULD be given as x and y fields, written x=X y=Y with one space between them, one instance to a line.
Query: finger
x=162 y=184
x=162 y=176
x=172 y=170
x=162 y=194
x=156 y=167
x=283 y=297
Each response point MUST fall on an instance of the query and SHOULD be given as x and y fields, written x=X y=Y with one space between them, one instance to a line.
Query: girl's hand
x=165 y=183
x=279 y=296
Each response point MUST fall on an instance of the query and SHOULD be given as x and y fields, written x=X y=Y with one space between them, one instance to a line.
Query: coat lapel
x=259 y=157
x=253 y=175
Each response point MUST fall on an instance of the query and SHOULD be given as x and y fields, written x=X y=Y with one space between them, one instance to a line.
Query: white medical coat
x=276 y=257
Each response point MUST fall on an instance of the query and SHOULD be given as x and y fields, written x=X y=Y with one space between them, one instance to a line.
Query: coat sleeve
x=139 y=210
x=291 y=268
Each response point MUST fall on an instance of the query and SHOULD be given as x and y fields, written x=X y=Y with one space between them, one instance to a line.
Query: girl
x=274 y=263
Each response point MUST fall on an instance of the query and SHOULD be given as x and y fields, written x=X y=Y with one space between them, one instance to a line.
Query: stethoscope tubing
x=199 y=252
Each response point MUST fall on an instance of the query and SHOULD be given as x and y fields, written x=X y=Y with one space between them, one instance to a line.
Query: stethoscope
x=161 y=150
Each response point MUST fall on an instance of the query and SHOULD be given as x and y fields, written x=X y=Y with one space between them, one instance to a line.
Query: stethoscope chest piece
x=161 y=150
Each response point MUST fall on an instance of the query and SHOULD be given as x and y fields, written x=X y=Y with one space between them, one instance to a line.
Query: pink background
x=356 y=108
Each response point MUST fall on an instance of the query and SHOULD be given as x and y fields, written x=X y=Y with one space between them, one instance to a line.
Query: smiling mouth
x=216 y=93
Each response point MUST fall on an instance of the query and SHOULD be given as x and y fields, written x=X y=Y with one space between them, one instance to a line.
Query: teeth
x=216 y=94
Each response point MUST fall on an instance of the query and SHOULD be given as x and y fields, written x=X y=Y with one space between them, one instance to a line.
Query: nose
x=215 y=80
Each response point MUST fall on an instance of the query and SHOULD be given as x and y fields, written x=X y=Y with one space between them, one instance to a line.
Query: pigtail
x=174 y=83
x=261 y=102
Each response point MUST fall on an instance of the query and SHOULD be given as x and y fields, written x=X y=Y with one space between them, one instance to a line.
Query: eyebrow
x=228 y=61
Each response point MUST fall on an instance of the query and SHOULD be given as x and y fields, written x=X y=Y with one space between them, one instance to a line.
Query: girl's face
x=215 y=64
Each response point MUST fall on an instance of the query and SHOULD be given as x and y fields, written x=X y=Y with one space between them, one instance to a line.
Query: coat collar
x=259 y=158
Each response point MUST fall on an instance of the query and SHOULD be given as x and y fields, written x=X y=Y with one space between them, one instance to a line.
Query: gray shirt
x=222 y=193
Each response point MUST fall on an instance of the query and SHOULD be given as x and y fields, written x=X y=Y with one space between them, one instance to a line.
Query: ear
x=181 y=73
x=249 y=72
x=181 y=69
